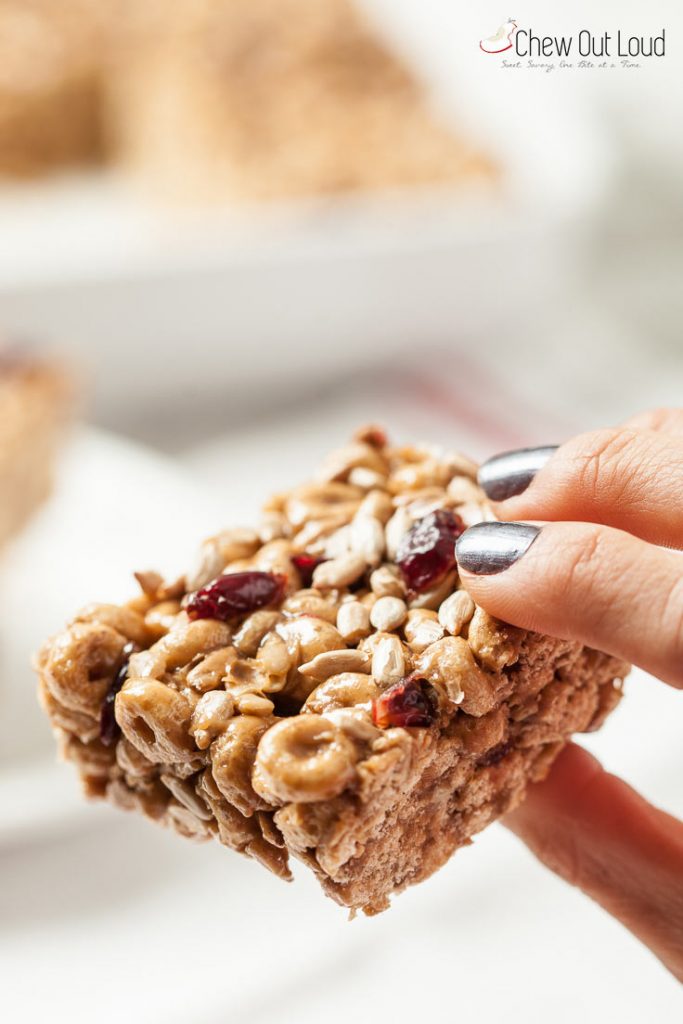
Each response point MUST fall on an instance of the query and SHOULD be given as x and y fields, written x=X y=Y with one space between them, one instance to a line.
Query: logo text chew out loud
x=527 y=43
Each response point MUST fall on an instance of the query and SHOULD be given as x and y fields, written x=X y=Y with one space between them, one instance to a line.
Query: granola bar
x=33 y=408
x=50 y=84
x=322 y=686
x=273 y=98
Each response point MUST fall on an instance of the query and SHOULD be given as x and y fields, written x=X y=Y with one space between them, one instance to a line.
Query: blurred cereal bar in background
x=218 y=98
x=270 y=98
x=50 y=84
x=34 y=402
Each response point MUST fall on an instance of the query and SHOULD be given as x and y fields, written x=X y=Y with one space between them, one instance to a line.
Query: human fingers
x=597 y=833
x=581 y=582
x=625 y=478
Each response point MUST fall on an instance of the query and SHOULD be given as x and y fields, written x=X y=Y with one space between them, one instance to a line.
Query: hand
x=583 y=555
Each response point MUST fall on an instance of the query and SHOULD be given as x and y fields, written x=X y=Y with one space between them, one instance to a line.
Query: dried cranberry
x=236 y=593
x=109 y=727
x=305 y=565
x=410 y=702
x=427 y=551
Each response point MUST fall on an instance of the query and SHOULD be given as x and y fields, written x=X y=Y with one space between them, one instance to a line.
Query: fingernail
x=488 y=548
x=510 y=473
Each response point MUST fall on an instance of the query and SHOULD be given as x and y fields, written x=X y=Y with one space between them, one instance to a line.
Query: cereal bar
x=322 y=687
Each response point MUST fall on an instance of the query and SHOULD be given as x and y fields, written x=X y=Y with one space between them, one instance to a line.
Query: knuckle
x=597 y=458
x=581 y=570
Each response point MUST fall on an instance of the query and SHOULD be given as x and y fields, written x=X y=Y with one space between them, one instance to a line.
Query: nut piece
x=339 y=572
x=495 y=645
x=433 y=598
x=366 y=479
x=338 y=543
x=253 y=630
x=367 y=538
x=455 y=611
x=186 y=795
x=156 y=720
x=386 y=582
x=388 y=613
x=255 y=704
x=307 y=636
x=459 y=465
x=274 y=526
x=209 y=672
x=331 y=663
x=210 y=717
x=355 y=722
x=377 y=504
x=388 y=661
x=311 y=602
x=219 y=551
x=314 y=535
x=339 y=464
x=274 y=659
x=473 y=512
x=398 y=525
x=304 y=759
x=353 y=621
x=462 y=489
x=275 y=557
x=124 y=620
x=422 y=629
x=318 y=501
x=161 y=618
x=418 y=476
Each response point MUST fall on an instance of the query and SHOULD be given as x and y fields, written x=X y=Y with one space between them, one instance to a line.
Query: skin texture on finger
x=667 y=421
x=627 y=479
x=592 y=584
x=597 y=833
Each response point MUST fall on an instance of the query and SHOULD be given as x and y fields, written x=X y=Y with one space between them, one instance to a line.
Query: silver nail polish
x=488 y=548
x=510 y=473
